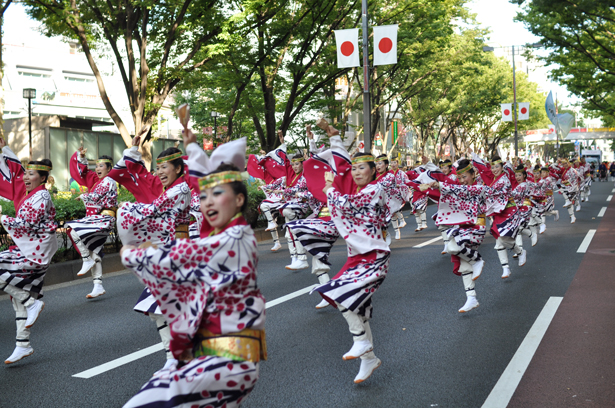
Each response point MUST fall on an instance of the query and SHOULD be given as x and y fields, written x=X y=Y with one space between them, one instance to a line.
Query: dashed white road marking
x=586 y=241
x=509 y=381
x=92 y=372
x=609 y=198
x=431 y=241
x=602 y=211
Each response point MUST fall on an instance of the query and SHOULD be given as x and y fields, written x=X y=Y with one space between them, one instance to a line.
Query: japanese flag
x=506 y=112
x=347 y=42
x=385 y=44
x=524 y=110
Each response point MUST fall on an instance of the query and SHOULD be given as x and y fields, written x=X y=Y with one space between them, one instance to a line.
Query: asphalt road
x=432 y=356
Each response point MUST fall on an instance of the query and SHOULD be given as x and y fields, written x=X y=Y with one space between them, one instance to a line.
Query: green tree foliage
x=580 y=36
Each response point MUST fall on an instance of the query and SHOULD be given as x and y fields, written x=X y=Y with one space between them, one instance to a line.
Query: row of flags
x=385 y=46
x=507 y=111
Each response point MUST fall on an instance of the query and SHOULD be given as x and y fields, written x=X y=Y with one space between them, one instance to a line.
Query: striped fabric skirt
x=543 y=205
x=207 y=381
x=420 y=204
x=469 y=236
x=93 y=230
x=508 y=223
x=147 y=303
x=317 y=235
x=17 y=270
x=356 y=282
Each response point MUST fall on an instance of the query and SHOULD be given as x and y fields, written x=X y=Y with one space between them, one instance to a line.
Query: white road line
x=586 y=241
x=431 y=241
x=119 y=361
x=609 y=198
x=602 y=211
x=613 y=190
x=92 y=372
x=509 y=381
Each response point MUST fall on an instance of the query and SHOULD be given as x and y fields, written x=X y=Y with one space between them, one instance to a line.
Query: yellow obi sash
x=109 y=211
x=324 y=212
x=510 y=203
x=566 y=182
x=246 y=345
x=549 y=193
x=481 y=220
x=181 y=231
x=527 y=203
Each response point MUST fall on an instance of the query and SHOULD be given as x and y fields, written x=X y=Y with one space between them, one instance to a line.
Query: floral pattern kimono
x=94 y=229
x=206 y=288
x=33 y=229
x=544 y=201
x=570 y=183
x=396 y=194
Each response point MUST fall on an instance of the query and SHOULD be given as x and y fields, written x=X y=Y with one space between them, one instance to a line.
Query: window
x=33 y=74
x=75 y=79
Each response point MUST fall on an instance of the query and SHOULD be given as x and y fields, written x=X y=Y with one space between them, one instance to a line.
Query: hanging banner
x=385 y=44
x=524 y=110
x=506 y=112
x=347 y=42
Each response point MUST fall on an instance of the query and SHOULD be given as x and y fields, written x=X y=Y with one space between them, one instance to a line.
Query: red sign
x=361 y=145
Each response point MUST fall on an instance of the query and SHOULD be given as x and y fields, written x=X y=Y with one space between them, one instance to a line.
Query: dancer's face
x=394 y=165
x=381 y=167
x=544 y=174
x=220 y=204
x=32 y=180
x=519 y=177
x=297 y=167
x=446 y=170
x=168 y=173
x=362 y=174
x=497 y=169
x=466 y=178
x=102 y=170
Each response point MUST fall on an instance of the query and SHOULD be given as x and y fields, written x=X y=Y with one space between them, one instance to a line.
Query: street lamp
x=215 y=115
x=29 y=94
x=491 y=49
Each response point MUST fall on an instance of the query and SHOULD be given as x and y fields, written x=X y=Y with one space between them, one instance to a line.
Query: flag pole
x=515 y=103
x=367 y=128
x=556 y=126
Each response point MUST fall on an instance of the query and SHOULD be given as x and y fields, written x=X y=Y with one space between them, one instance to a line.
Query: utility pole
x=515 y=104
x=367 y=128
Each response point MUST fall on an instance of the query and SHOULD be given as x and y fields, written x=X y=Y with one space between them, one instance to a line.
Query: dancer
x=360 y=219
x=521 y=194
x=401 y=179
x=502 y=207
x=33 y=230
x=570 y=187
x=208 y=292
x=449 y=176
x=546 y=203
x=585 y=173
x=461 y=217
x=395 y=194
x=89 y=234
x=160 y=215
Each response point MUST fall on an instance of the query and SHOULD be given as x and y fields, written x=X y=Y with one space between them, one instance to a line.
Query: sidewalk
x=575 y=362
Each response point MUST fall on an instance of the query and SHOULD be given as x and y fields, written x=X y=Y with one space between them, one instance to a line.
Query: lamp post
x=491 y=49
x=29 y=94
x=215 y=115
x=367 y=110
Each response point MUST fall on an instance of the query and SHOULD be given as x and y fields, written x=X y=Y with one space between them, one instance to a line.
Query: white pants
x=294 y=245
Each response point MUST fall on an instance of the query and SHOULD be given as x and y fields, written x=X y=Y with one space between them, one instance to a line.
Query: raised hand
x=136 y=141
x=188 y=136
x=2 y=142
x=281 y=136
x=308 y=131
x=82 y=151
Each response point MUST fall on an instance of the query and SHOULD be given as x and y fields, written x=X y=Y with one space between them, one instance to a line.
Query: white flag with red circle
x=385 y=44
x=524 y=110
x=347 y=42
x=506 y=112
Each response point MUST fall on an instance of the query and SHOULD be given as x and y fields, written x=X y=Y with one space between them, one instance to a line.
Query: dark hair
x=179 y=162
x=495 y=158
x=239 y=187
x=297 y=156
x=44 y=162
x=372 y=165
x=537 y=167
x=386 y=159
x=105 y=157
x=463 y=163
x=446 y=162
x=521 y=169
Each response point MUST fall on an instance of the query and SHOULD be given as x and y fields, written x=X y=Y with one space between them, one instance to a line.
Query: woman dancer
x=89 y=234
x=360 y=219
x=160 y=214
x=502 y=208
x=522 y=193
x=570 y=188
x=395 y=194
x=207 y=288
x=401 y=179
x=545 y=204
x=33 y=229
x=461 y=217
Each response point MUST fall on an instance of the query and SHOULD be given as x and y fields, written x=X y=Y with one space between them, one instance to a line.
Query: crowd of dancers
x=187 y=241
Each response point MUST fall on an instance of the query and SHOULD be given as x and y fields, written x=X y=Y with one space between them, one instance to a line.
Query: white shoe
x=445 y=250
x=276 y=246
x=556 y=218
x=367 y=368
x=358 y=349
x=470 y=304
x=477 y=269
x=271 y=226
x=567 y=204
x=522 y=257
x=88 y=263
x=587 y=198
x=573 y=219
x=534 y=238
x=543 y=228
x=582 y=200
x=418 y=228
x=298 y=264
x=403 y=223
x=97 y=291
x=424 y=226
x=34 y=310
x=323 y=303
x=515 y=256
x=293 y=260
x=397 y=234
x=505 y=272
x=578 y=207
x=18 y=354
